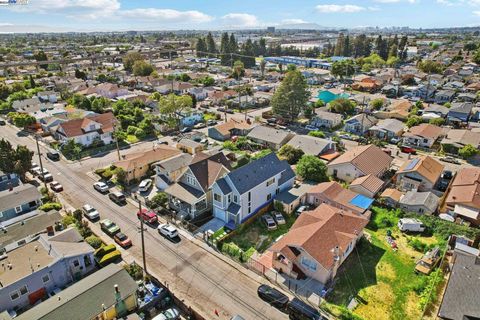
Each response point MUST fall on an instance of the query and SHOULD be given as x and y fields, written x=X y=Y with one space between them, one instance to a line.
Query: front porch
x=187 y=201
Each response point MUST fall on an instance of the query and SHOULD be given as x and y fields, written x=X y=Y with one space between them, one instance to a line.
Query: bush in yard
x=159 y=200
x=291 y=154
x=232 y=250
x=317 y=134
x=468 y=151
x=429 y=294
x=68 y=220
x=134 y=270
x=131 y=130
x=110 y=257
x=417 y=245
x=100 y=252
x=94 y=241
x=312 y=168
x=50 y=206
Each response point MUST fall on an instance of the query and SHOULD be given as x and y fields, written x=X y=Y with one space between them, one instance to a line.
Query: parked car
x=272 y=296
x=269 y=222
x=211 y=122
x=148 y=216
x=442 y=185
x=46 y=177
x=199 y=125
x=101 y=187
x=169 y=314
x=109 y=227
x=300 y=210
x=53 y=155
x=311 y=128
x=34 y=167
x=409 y=150
x=38 y=171
x=117 y=197
x=145 y=185
x=56 y=186
x=90 y=212
x=2 y=122
x=167 y=230
x=299 y=310
x=450 y=160
x=447 y=175
x=122 y=240
x=394 y=140
x=185 y=130
x=278 y=217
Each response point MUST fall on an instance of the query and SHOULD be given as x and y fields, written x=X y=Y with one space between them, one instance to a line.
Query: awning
x=466 y=211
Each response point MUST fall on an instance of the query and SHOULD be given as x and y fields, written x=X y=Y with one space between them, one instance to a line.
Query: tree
x=312 y=168
x=172 y=105
x=392 y=61
x=21 y=120
x=211 y=47
x=142 y=68
x=263 y=64
x=339 y=47
x=413 y=121
x=225 y=49
x=292 y=96
x=291 y=154
x=344 y=68
x=248 y=53
x=317 y=134
x=238 y=70
x=342 y=105
x=17 y=160
x=72 y=149
x=130 y=59
x=201 y=47
x=4 y=91
x=80 y=74
x=476 y=57
x=41 y=56
x=468 y=151
x=437 y=121
x=430 y=66
x=121 y=175
x=377 y=104
x=31 y=82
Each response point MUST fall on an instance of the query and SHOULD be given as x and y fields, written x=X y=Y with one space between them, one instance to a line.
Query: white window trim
x=17 y=210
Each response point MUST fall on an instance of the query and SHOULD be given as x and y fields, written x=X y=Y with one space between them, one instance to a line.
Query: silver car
x=278 y=217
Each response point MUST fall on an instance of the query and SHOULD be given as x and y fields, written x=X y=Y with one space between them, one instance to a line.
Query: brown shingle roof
x=140 y=159
x=336 y=193
x=319 y=231
x=76 y=127
x=427 y=167
x=425 y=130
x=369 y=182
x=369 y=159
x=207 y=168
x=225 y=128
x=466 y=188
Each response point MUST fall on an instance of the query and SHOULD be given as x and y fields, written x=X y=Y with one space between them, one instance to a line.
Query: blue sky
x=107 y=15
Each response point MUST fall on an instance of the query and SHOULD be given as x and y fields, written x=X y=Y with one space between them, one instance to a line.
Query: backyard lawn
x=383 y=280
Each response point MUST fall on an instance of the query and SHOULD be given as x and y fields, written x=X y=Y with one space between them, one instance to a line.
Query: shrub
x=100 y=252
x=158 y=200
x=134 y=270
x=417 y=245
x=94 y=241
x=131 y=130
x=110 y=257
x=317 y=134
x=68 y=220
x=51 y=206
x=232 y=250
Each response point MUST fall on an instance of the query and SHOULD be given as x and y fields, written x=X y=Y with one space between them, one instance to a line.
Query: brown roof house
x=85 y=131
x=398 y=109
x=368 y=185
x=136 y=164
x=333 y=194
x=463 y=200
x=232 y=127
x=459 y=138
x=420 y=174
x=359 y=162
x=424 y=135
x=318 y=243
x=191 y=195
x=391 y=197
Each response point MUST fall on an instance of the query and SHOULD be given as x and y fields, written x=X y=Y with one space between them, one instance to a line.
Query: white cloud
x=239 y=20
x=335 y=8
x=293 y=21
x=166 y=15
x=477 y=13
x=395 y=1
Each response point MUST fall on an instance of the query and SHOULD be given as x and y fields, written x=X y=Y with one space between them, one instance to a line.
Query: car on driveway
x=199 y=125
x=450 y=160
x=447 y=175
x=300 y=210
x=101 y=187
x=278 y=217
x=211 y=122
x=311 y=128
x=269 y=222
x=169 y=314
x=409 y=150
x=122 y=240
x=147 y=216
x=90 y=212
x=167 y=230
x=109 y=227
x=272 y=296
x=118 y=197
x=46 y=177
x=185 y=130
x=38 y=171
x=145 y=185
x=56 y=186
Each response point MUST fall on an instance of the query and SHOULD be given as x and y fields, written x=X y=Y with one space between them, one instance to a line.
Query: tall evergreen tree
x=249 y=54
x=233 y=46
x=211 y=47
x=292 y=96
x=201 y=47
x=339 y=47
x=225 y=49
x=346 y=47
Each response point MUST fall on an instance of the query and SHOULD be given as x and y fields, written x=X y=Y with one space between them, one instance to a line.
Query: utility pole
x=41 y=165
x=116 y=140
x=143 y=238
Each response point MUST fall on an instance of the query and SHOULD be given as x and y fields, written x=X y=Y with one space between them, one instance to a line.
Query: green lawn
x=383 y=280
x=257 y=236
x=132 y=139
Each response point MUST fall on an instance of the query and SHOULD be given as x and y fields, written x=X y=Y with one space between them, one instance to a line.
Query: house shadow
x=357 y=272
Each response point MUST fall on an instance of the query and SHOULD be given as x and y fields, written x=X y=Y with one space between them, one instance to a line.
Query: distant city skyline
x=111 y=15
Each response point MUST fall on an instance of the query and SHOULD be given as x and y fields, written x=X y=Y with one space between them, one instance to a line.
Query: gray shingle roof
x=233 y=208
x=258 y=171
x=223 y=185
x=84 y=299
x=310 y=145
x=460 y=300
x=268 y=134
x=19 y=195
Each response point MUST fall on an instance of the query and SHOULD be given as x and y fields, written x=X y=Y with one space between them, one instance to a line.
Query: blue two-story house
x=241 y=193
x=19 y=200
x=8 y=180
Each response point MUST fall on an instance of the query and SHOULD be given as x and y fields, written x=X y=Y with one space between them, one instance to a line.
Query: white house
x=242 y=192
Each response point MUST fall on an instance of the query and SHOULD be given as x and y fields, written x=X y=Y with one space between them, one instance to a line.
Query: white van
x=412 y=225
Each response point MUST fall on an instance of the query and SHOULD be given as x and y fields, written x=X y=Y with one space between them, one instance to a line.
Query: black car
x=272 y=296
x=442 y=185
x=53 y=155
x=299 y=310
x=447 y=175
x=2 y=122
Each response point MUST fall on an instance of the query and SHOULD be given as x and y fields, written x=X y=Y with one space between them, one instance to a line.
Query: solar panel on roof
x=412 y=164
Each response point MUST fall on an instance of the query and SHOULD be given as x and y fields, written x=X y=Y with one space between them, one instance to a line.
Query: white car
x=278 y=217
x=101 y=187
x=167 y=230
x=38 y=171
x=311 y=128
x=90 y=212
x=169 y=314
x=145 y=185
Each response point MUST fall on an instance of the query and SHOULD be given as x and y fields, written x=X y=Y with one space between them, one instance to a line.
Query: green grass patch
x=132 y=139
x=209 y=116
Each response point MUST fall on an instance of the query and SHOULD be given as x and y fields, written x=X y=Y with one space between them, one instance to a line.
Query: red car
x=147 y=216
x=122 y=240
x=408 y=150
